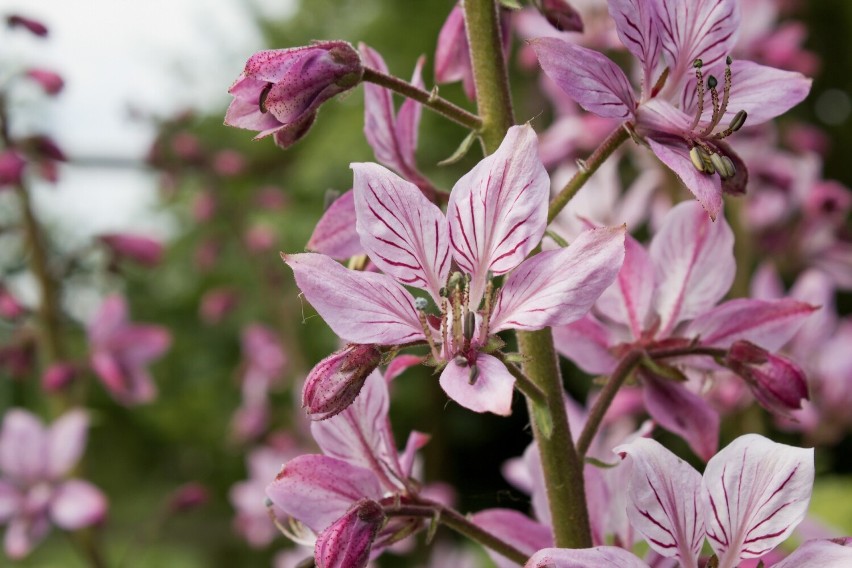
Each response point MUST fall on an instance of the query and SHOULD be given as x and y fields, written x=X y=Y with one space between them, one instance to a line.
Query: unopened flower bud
x=51 y=82
x=11 y=168
x=58 y=376
x=33 y=26
x=188 y=497
x=561 y=15
x=10 y=307
x=143 y=250
x=280 y=90
x=347 y=542
x=334 y=383
x=777 y=383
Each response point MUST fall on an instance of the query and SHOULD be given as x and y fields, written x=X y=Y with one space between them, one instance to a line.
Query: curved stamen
x=698 y=64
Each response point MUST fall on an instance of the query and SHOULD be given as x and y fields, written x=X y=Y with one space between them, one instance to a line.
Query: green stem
x=561 y=465
x=615 y=139
x=563 y=470
x=461 y=524
x=616 y=380
x=493 y=98
x=440 y=105
x=525 y=385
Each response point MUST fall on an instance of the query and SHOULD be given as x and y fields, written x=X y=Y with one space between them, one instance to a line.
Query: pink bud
x=207 y=254
x=271 y=198
x=347 y=542
x=259 y=238
x=204 y=206
x=33 y=26
x=186 y=146
x=58 y=376
x=334 y=383
x=10 y=308
x=51 y=82
x=777 y=383
x=11 y=168
x=561 y=15
x=229 y=163
x=144 y=250
x=46 y=147
x=280 y=90
x=187 y=497
x=216 y=304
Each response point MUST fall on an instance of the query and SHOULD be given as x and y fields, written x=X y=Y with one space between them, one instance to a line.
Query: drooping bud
x=334 y=383
x=778 y=384
x=143 y=250
x=281 y=90
x=49 y=81
x=33 y=26
x=561 y=15
x=346 y=543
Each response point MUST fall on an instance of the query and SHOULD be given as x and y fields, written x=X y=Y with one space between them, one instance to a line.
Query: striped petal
x=600 y=557
x=634 y=22
x=756 y=492
x=404 y=233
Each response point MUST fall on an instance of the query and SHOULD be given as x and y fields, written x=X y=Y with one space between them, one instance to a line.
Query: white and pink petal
x=600 y=557
x=485 y=386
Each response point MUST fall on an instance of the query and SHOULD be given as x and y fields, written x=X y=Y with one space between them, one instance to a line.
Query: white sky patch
x=158 y=57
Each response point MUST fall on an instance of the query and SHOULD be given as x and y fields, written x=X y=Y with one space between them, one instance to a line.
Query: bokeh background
x=140 y=119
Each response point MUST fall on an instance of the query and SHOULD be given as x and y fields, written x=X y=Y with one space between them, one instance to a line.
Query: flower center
x=707 y=156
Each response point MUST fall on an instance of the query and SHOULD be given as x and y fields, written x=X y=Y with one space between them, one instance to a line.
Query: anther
x=262 y=100
x=712 y=82
x=474 y=374
x=469 y=326
x=420 y=304
x=697 y=161
x=724 y=167
x=736 y=123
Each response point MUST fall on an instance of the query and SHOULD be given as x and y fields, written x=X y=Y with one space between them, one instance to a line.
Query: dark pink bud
x=216 y=304
x=561 y=15
x=229 y=163
x=186 y=146
x=187 y=497
x=51 y=82
x=778 y=384
x=334 y=383
x=58 y=376
x=45 y=147
x=259 y=238
x=11 y=167
x=33 y=26
x=144 y=250
x=280 y=90
x=347 y=542
x=10 y=308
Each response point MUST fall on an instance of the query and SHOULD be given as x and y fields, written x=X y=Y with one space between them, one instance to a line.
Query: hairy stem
x=525 y=385
x=616 y=380
x=563 y=471
x=589 y=166
x=430 y=100
x=461 y=524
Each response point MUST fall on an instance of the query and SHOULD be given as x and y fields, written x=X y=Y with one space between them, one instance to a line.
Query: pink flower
x=229 y=163
x=359 y=461
x=281 y=90
x=58 y=376
x=10 y=307
x=685 y=130
x=335 y=234
x=495 y=217
x=143 y=250
x=33 y=26
x=51 y=82
x=666 y=297
x=259 y=237
x=750 y=498
x=11 y=168
x=34 y=462
x=120 y=352
x=188 y=497
x=216 y=304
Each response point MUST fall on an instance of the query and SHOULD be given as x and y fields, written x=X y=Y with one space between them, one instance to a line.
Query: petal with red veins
x=768 y=323
x=490 y=392
x=403 y=232
x=684 y=413
x=359 y=435
x=514 y=528
x=699 y=29
x=400 y=364
x=318 y=490
x=694 y=264
x=558 y=287
x=498 y=211
x=600 y=557
x=665 y=501
x=67 y=441
x=23 y=446
x=634 y=22
x=756 y=492
x=629 y=299
x=335 y=233
x=707 y=189
x=77 y=504
x=587 y=76
x=360 y=307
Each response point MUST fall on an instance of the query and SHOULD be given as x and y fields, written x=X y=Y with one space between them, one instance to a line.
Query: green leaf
x=461 y=150
x=543 y=419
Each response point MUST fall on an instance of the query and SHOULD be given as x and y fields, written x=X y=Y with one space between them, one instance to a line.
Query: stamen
x=697 y=160
x=486 y=312
x=726 y=95
x=420 y=304
x=714 y=96
x=444 y=325
x=261 y=103
x=698 y=64
x=724 y=166
x=469 y=327
x=736 y=123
